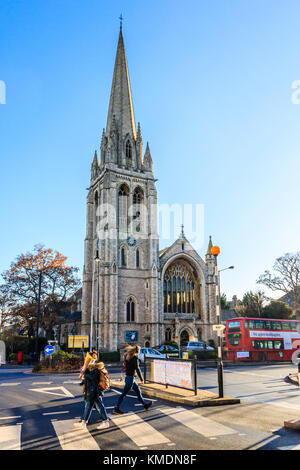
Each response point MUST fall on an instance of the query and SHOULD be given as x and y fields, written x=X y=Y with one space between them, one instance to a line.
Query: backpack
x=104 y=383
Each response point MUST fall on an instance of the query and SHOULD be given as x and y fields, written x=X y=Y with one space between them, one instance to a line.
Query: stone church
x=132 y=292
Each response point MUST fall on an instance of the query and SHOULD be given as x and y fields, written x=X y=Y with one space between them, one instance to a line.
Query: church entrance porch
x=184 y=338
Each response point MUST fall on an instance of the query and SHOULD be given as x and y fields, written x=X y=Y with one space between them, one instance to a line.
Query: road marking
x=72 y=382
x=281 y=404
x=41 y=383
x=204 y=426
x=10 y=417
x=10 y=437
x=129 y=396
x=9 y=384
x=71 y=438
x=50 y=390
x=297 y=447
x=56 y=413
x=140 y=432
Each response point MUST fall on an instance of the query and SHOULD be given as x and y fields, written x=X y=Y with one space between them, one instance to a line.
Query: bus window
x=270 y=345
x=234 y=339
x=251 y=324
x=285 y=325
x=278 y=344
x=259 y=324
x=234 y=324
x=276 y=325
x=293 y=326
x=246 y=324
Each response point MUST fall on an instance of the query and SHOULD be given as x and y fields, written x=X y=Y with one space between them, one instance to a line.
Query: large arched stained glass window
x=179 y=289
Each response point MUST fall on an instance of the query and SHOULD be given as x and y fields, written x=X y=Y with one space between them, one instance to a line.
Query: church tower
x=121 y=290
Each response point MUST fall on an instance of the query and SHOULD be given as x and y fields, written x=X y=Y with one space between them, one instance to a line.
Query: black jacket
x=132 y=367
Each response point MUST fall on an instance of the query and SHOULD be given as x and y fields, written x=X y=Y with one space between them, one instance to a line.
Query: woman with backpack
x=95 y=382
x=131 y=366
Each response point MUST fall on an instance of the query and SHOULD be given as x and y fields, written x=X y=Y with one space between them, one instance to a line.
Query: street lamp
x=38 y=316
x=215 y=251
x=224 y=269
x=96 y=260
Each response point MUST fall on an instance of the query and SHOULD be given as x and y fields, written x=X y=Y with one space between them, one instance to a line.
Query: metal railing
x=183 y=377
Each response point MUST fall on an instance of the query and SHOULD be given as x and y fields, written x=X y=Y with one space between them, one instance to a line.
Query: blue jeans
x=130 y=383
x=97 y=402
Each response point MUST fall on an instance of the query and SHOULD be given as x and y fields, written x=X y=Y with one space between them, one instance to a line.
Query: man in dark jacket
x=93 y=397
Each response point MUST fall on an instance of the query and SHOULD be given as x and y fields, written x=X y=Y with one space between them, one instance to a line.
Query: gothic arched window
x=179 y=288
x=96 y=213
x=138 y=258
x=123 y=207
x=123 y=256
x=128 y=152
x=130 y=310
x=137 y=209
x=168 y=334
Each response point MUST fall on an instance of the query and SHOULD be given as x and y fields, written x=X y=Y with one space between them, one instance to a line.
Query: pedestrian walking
x=94 y=385
x=131 y=368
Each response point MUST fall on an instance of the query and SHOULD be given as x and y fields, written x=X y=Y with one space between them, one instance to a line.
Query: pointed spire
x=120 y=105
x=182 y=235
x=95 y=161
x=95 y=167
x=210 y=245
x=139 y=133
x=148 y=163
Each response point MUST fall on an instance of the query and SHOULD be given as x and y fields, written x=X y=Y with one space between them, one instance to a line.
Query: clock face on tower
x=131 y=241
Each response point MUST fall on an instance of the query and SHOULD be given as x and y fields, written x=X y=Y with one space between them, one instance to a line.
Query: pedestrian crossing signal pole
x=216 y=251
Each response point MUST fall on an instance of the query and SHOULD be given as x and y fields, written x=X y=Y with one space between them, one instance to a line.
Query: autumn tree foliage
x=21 y=285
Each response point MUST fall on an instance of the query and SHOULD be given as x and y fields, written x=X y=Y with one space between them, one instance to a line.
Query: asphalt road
x=38 y=411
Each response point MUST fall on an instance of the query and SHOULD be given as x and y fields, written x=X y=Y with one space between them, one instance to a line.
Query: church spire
x=120 y=105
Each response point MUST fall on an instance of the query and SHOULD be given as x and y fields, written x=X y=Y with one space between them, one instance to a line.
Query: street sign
x=49 y=350
x=219 y=327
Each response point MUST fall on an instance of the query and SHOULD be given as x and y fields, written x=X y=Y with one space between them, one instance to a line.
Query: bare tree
x=285 y=279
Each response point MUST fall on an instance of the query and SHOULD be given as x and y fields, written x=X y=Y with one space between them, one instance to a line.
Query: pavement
x=179 y=395
x=294 y=423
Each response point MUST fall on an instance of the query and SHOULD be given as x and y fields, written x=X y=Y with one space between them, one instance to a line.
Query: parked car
x=197 y=346
x=170 y=351
x=150 y=352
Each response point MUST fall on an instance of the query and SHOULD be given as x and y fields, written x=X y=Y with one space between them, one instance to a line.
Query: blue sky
x=212 y=88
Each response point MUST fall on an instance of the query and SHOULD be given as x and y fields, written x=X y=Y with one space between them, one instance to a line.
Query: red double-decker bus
x=261 y=339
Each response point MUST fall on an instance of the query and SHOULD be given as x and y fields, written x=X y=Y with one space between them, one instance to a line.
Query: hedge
x=109 y=356
x=59 y=361
x=203 y=355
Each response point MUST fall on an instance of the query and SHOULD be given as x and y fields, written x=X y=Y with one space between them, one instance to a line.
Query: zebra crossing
x=139 y=429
